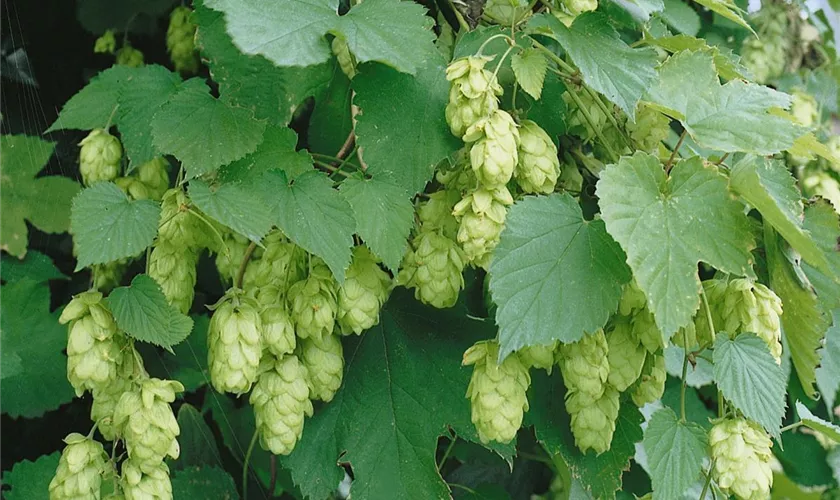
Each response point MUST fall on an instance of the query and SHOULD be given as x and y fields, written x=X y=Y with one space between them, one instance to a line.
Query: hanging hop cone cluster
x=649 y=130
x=433 y=266
x=129 y=56
x=180 y=40
x=741 y=453
x=144 y=481
x=539 y=166
x=99 y=157
x=472 y=93
x=146 y=422
x=281 y=402
x=80 y=469
x=766 y=57
x=149 y=181
x=106 y=43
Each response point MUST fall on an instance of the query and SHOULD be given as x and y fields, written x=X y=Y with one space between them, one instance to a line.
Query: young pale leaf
x=35 y=266
x=33 y=374
x=107 y=225
x=94 y=106
x=727 y=64
x=675 y=452
x=384 y=216
x=731 y=117
x=767 y=185
x=681 y=17
x=402 y=127
x=314 y=216
x=554 y=275
x=31 y=480
x=292 y=33
x=43 y=201
x=814 y=422
x=236 y=205
x=529 y=66
x=203 y=482
x=822 y=221
x=607 y=64
x=141 y=310
x=828 y=373
x=667 y=224
x=727 y=9
x=748 y=376
x=214 y=134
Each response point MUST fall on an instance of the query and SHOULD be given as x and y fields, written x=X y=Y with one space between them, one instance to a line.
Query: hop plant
x=434 y=267
x=497 y=392
x=585 y=365
x=482 y=215
x=495 y=153
x=649 y=130
x=472 y=95
x=105 y=44
x=625 y=354
x=435 y=214
x=143 y=417
x=741 y=453
x=576 y=118
x=281 y=401
x=278 y=331
x=539 y=166
x=154 y=174
x=538 y=356
x=507 y=12
x=95 y=348
x=651 y=383
x=105 y=402
x=80 y=469
x=180 y=40
x=99 y=157
x=345 y=58
x=752 y=307
x=234 y=340
x=363 y=293
x=324 y=362
x=593 y=422
x=174 y=268
x=145 y=481
x=129 y=56
x=313 y=302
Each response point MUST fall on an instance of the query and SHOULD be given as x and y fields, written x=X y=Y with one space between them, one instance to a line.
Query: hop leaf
x=281 y=401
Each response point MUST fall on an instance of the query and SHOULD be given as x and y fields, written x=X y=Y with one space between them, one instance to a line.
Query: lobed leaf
x=675 y=453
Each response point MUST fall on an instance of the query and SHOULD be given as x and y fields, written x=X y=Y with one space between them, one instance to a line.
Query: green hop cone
x=632 y=300
x=497 y=392
x=646 y=331
x=585 y=365
x=752 y=307
x=538 y=356
x=282 y=263
x=129 y=56
x=278 y=331
x=154 y=174
x=324 y=362
x=281 y=402
x=459 y=177
x=435 y=214
x=363 y=293
x=177 y=224
x=144 y=418
x=539 y=166
x=105 y=44
x=507 y=12
x=651 y=383
x=741 y=453
x=576 y=120
x=804 y=108
x=649 y=130
x=174 y=268
x=234 y=341
x=434 y=267
x=593 y=423
x=108 y=276
x=105 y=402
x=495 y=154
x=132 y=186
x=80 y=468
x=231 y=254
x=482 y=215
x=577 y=7
x=99 y=157
x=96 y=349
x=345 y=58
x=313 y=302
x=817 y=183
x=625 y=354
x=180 y=40
x=686 y=337
x=145 y=481
x=472 y=94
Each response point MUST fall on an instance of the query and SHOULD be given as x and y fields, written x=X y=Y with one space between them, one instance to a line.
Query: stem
x=684 y=375
x=591 y=123
x=708 y=481
x=465 y=488
x=504 y=56
x=111 y=117
x=348 y=143
x=210 y=225
x=273 y=483
x=708 y=312
x=722 y=158
x=332 y=169
x=245 y=465
x=791 y=426
x=240 y=275
x=554 y=57
x=498 y=35
x=447 y=452
x=674 y=152
x=610 y=116
x=535 y=458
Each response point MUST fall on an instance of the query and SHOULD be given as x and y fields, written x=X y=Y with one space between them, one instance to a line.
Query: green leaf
x=199 y=482
x=667 y=224
x=731 y=117
x=43 y=201
x=315 y=217
x=698 y=374
x=823 y=223
x=748 y=376
x=402 y=378
x=107 y=225
x=203 y=132
x=554 y=275
x=803 y=459
x=640 y=10
x=34 y=370
x=530 y=66
x=94 y=106
x=607 y=64
x=727 y=64
x=142 y=311
x=198 y=444
x=600 y=474
x=292 y=33
x=35 y=266
x=31 y=480
x=675 y=453
x=828 y=373
x=805 y=319
x=727 y=9
x=276 y=151
x=680 y=16
x=332 y=119
x=186 y=362
x=768 y=185
x=550 y=111
x=234 y=205
x=384 y=216
x=814 y=422
x=402 y=126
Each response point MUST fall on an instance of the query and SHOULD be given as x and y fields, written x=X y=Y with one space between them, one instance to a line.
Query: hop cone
x=459 y=178
x=495 y=154
x=650 y=128
x=625 y=354
x=472 y=94
x=632 y=300
x=804 y=108
x=651 y=384
x=715 y=291
x=765 y=58
x=144 y=418
x=577 y=123
x=281 y=264
x=577 y=7
x=231 y=254
x=105 y=402
x=180 y=40
x=363 y=293
x=497 y=392
x=313 y=303
x=435 y=214
x=281 y=401
x=95 y=348
x=129 y=56
x=177 y=225
x=173 y=266
x=346 y=61
x=105 y=44
x=817 y=183
x=593 y=423
x=433 y=267
x=585 y=365
x=506 y=12
x=324 y=362
x=646 y=331
x=482 y=216
x=278 y=331
x=80 y=469
x=538 y=356
x=154 y=174
x=99 y=157
x=741 y=454
x=234 y=344
x=108 y=276
x=752 y=307
x=539 y=167
x=145 y=481
x=132 y=186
